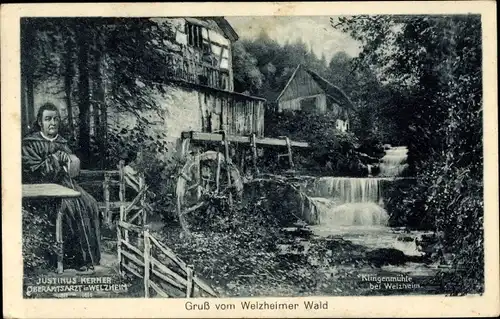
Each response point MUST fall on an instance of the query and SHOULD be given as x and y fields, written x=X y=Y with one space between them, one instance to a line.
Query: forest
x=432 y=67
x=417 y=82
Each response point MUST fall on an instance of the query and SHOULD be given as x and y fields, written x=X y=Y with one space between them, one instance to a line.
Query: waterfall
x=345 y=201
x=350 y=201
x=353 y=208
x=348 y=189
x=394 y=161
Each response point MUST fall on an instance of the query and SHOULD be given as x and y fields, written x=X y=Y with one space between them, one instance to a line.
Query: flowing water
x=394 y=161
x=353 y=209
x=344 y=201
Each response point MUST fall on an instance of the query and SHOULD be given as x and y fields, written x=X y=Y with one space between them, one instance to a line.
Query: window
x=308 y=104
x=194 y=35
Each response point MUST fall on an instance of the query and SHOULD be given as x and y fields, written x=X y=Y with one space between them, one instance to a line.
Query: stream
x=338 y=242
x=352 y=210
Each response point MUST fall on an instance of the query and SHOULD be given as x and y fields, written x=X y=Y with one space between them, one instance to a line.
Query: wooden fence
x=143 y=256
x=122 y=179
x=163 y=273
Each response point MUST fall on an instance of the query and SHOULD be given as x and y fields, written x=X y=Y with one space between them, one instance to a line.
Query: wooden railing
x=162 y=272
x=143 y=256
x=196 y=71
x=107 y=180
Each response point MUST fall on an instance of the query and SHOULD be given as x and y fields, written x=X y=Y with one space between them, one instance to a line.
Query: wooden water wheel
x=203 y=177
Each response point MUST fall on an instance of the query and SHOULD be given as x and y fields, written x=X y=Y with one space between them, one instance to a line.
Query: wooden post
x=143 y=200
x=122 y=181
x=121 y=195
x=119 y=246
x=228 y=165
x=190 y=281
x=217 y=174
x=198 y=175
x=242 y=160
x=289 y=147
x=226 y=146
x=147 y=254
x=59 y=240
x=122 y=217
x=143 y=196
x=185 y=147
x=105 y=187
x=254 y=154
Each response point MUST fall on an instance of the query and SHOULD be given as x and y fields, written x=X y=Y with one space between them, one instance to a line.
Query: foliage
x=137 y=62
x=96 y=64
x=38 y=241
x=372 y=119
x=399 y=196
x=249 y=253
x=161 y=177
x=263 y=66
x=247 y=76
x=433 y=66
x=331 y=151
x=145 y=150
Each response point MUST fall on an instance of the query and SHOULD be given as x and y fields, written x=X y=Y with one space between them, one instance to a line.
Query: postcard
x=250 y=160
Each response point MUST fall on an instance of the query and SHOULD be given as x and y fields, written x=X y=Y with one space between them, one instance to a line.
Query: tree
x=323 y=65
x=340 y=71
x=247 y=76
x=432 y=66
x=83 y=92
x=370 y=97
x=275 y=64
x=27 y=71
x=75 y=52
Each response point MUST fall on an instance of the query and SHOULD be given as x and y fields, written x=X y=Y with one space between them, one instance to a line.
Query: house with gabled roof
x=194 y=89
x=307 y=91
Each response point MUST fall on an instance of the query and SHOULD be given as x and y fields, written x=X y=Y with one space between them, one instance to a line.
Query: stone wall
x=179 y=112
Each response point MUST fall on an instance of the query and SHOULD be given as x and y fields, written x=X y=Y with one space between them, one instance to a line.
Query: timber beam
x=267 y=141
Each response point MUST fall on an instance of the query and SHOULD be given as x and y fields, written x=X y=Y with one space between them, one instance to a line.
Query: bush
x=456 y=198
x=449 y=200
x=39 y=245
x=239 y=252
x=331 y=151
x=405 y=202
x=148 y=153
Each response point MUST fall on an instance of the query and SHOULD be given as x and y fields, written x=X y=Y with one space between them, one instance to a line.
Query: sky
x=315 y=31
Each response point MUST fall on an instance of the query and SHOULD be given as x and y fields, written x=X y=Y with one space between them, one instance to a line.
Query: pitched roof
x=289 y=81
x=331 y=90
x=226 y=28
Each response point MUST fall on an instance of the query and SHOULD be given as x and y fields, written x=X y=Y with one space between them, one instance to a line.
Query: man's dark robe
x=81 y=228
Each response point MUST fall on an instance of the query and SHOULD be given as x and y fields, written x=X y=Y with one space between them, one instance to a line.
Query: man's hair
x=45 y=107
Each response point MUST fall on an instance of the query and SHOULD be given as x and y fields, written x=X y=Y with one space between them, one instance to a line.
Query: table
x=56 y=191
x=48 y=191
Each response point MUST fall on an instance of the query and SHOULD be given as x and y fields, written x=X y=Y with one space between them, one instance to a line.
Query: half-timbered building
x=197 y=93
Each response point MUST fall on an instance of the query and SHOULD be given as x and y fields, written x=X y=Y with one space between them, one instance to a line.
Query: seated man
x=46 y=158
